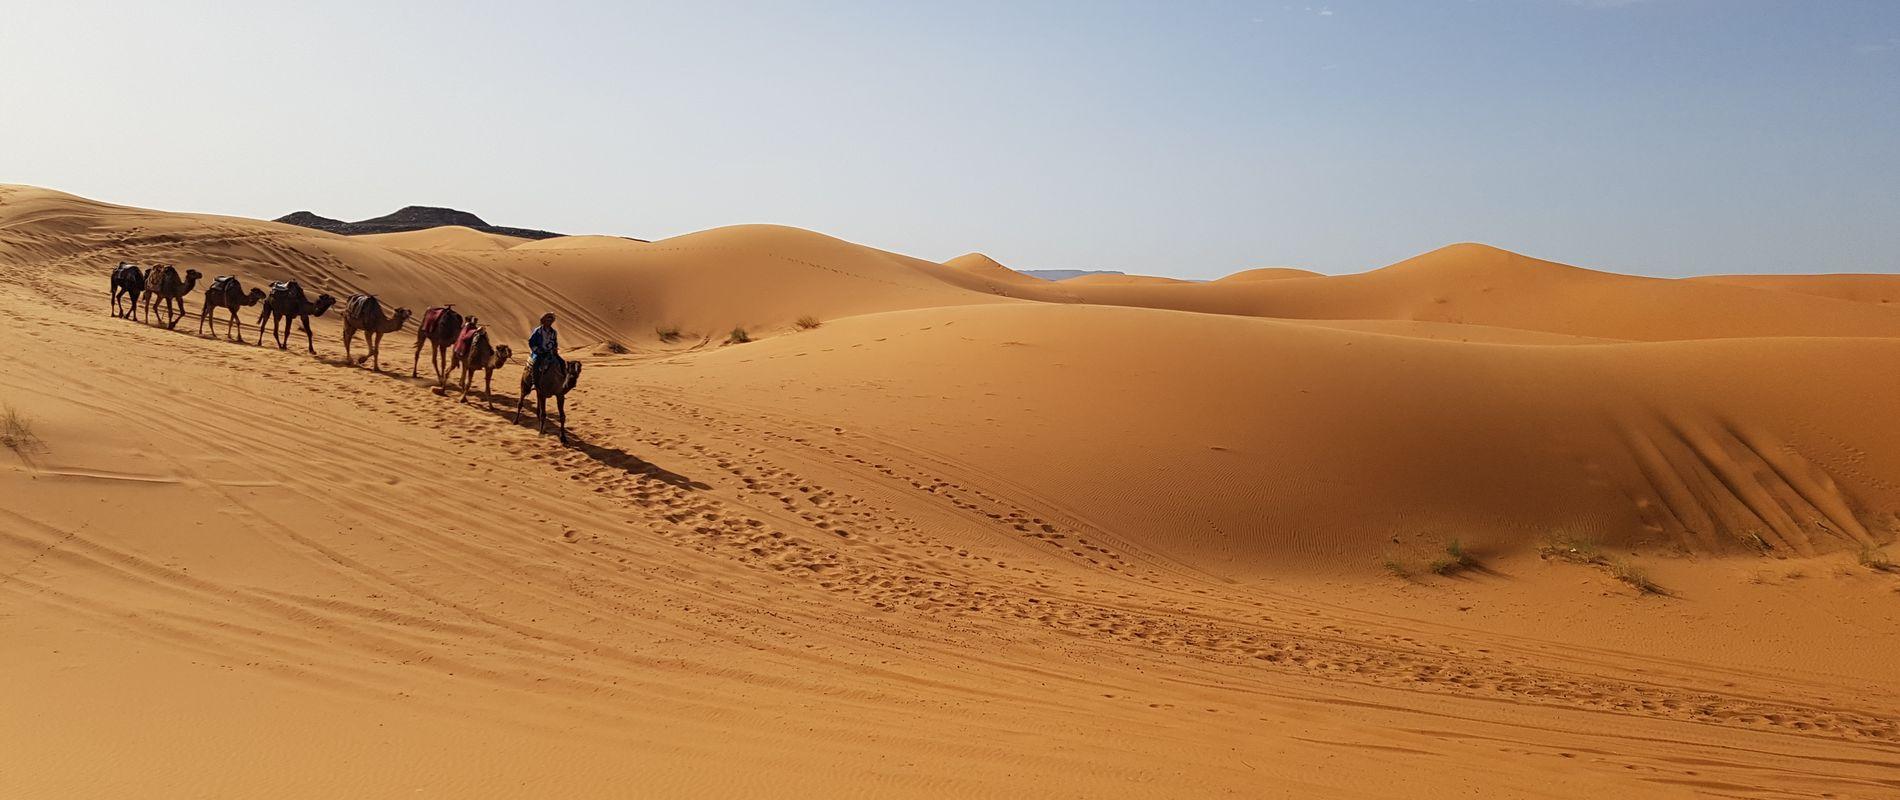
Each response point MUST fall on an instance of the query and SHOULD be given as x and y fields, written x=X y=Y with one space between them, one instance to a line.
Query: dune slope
x=973 y=536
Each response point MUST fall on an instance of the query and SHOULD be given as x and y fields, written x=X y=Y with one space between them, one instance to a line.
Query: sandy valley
x=1471 y=524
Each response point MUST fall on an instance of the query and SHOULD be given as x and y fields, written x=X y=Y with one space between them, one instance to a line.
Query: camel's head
x=256 y=296
x=322 y=305
x=502 y=354
x=573 y=376
x=402 y=316
x=192 y=274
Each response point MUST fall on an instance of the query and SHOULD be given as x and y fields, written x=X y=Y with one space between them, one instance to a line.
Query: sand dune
x=977 y=534
x=986 y=267
x=1481 y=285
x=1360 y=441
x=1857 y=288
x=1268 y=274
x=1107 y=279
x=447 y=237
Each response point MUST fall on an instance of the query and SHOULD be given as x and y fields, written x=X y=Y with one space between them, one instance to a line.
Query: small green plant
x=16 y=433
x=668 y=334
x=1874 y=558
x=1574 y=549
x=738 y=336
x=1395 y=567
x=1456 y=558
x=808 y=322
x=1635 y=576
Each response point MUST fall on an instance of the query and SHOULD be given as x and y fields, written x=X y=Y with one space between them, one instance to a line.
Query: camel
x=162 y=285
x=549 y=381
x=365 y=313
x=476 y=353
x=128 y=282
x=226 y=293
x=285 y=302
x=440 y=327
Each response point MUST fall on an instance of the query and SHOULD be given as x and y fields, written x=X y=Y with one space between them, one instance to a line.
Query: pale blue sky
x=1194 y=139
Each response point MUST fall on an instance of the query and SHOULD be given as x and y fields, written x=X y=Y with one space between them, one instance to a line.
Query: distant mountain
x=1065 y=274
x=411 y=218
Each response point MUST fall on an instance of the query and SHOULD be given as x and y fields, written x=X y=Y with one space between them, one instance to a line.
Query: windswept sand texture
x=977 y=535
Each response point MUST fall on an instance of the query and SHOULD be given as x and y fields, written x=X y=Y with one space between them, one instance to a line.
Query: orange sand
x=978 y=534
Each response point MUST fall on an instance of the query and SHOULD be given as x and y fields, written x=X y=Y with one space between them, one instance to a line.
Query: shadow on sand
x=608 y=456
x=503 y=406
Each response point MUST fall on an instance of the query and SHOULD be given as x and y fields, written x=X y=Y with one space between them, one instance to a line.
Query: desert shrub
x=738 y=336
x=1635 y=576
x=1570 y=548
x=1874 y=558
x=1395 y=567
x=668 y=334
x=808 y=322
x=16 y=432
x=1456 y=558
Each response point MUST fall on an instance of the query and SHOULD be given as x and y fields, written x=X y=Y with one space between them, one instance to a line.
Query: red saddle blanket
x=431 y=317
x=461 y=342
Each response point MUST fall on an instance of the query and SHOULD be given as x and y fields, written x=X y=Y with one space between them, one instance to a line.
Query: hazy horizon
x=1666 y=137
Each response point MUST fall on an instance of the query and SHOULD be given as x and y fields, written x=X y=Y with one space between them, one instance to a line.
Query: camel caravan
x=456 y=342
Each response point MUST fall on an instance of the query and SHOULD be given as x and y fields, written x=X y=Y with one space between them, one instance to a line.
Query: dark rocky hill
x=411 y=218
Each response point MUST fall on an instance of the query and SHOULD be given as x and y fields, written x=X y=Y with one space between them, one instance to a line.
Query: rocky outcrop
x=410 y=218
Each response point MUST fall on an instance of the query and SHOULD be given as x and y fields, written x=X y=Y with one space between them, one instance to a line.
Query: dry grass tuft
x=1635 y=576
x=668 y=334
x=1874 y=558
x=1395 y=567
x=808 y=322
x=16 y=432
x=1574 y=549
x=1456 y=558
x=738 y=336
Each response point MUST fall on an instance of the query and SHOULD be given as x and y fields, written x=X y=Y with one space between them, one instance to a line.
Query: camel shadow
x=606 y=455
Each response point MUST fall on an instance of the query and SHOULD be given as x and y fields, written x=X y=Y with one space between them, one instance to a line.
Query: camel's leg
x=348 y=334
x=231 y=328
x=374 y=341
x=560 y=402
x=468 y=374
x=204 y=315
x=488 y=387
x=518 y=401
x=309 y=339
x=540 y=413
